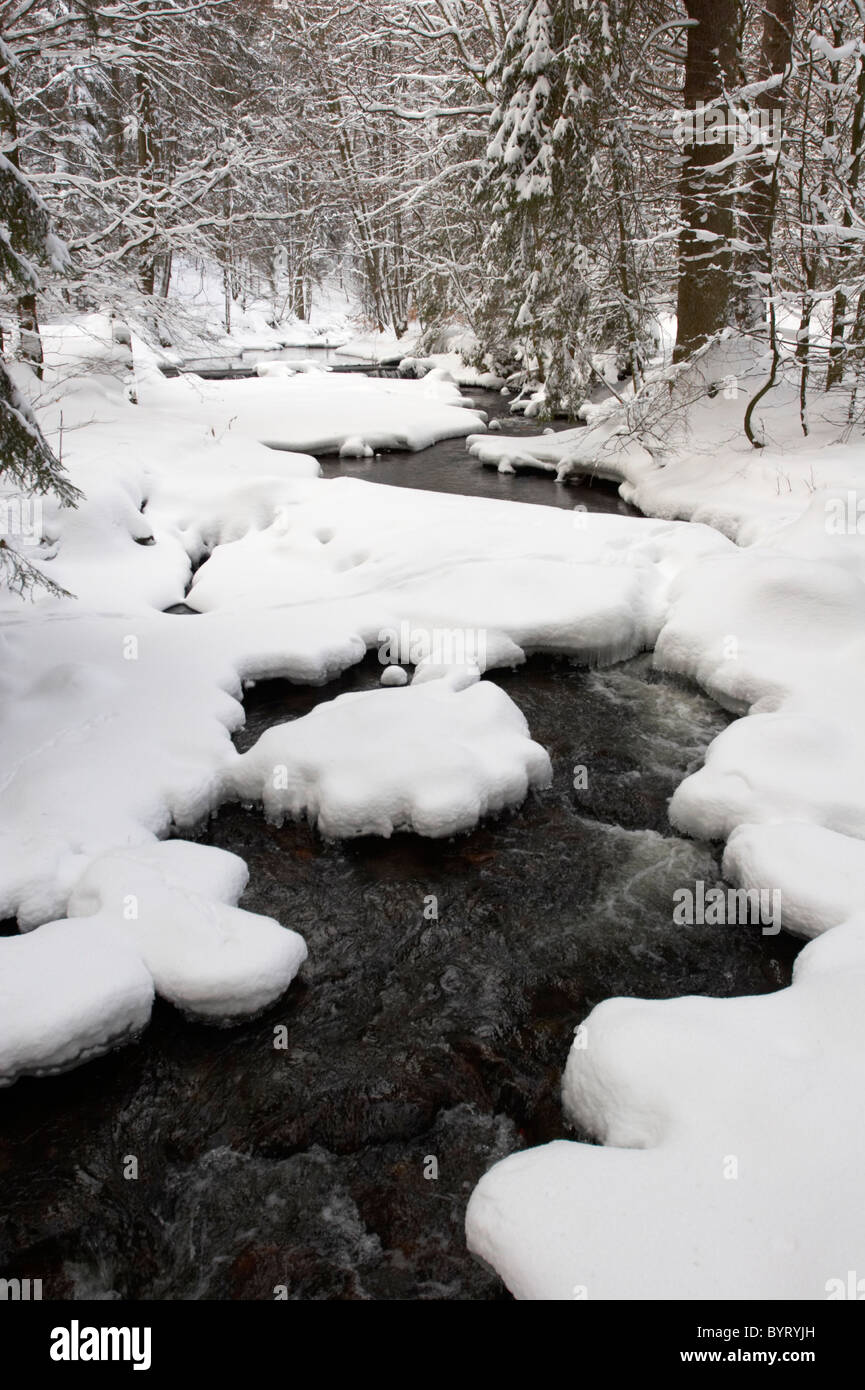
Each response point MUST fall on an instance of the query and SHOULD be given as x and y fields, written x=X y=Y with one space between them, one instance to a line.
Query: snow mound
x=355 y=448
x=160 y=918
x=429 y=757
x=310 y=411
x=451 y=366
x=277 y=369
x=819 y=874
x=394 y=675
x=68 y=992
x=721 y=1117
x=795 y=765
x=173 y=903
x=602 y=450
x=741 y=623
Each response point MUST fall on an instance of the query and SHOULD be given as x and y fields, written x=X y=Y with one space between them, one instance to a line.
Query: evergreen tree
x=535 y=187
x=26 y=242
x=558 y=192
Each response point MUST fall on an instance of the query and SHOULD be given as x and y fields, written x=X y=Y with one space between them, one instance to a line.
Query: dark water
x=448 y=467
x=418 y=1048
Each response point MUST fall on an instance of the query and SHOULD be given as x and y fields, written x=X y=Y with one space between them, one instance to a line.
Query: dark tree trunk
x=28 y=317
x=146 y=167
x=758 y=202
x=705 y=263
x=31 y=338
x=840 y=304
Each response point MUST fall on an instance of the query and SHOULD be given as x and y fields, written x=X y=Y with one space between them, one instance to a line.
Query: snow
x=689 y=460
x=68 y=992
x=793 y=764
x=277 y=369
x=355 y=448
x=116 y=729
x=734 y=1136
x=313 y=412
x=157 y=919
x=781 y=638
x=743 y=621
x=722 y=1119
x=525 y=578
x=394 y=675
x=432 y=758
x=819 y=873
x=455 y=367
x=260 y=318
x=174 y=902
x=378 y=346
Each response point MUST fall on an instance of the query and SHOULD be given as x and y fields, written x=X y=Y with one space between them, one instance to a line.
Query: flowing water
x=448 y=468
x=326 y=1150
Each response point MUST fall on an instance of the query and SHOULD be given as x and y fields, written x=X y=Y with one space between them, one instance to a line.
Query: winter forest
x=432 y=621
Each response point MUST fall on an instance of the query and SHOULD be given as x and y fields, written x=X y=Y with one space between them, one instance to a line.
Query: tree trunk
x=705 y=268
x=757 y=210
x=838 y=345
x=146 y=161
x=31 y=338
x=228 y=250
x=28 y=318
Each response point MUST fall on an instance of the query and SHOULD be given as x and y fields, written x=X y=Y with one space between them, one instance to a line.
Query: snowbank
x=734 y=1136
x=454 y=367
x=173 y=902
x=68 y=992
x=378 y=346
x=819 y=873
x=157 y=919
x=317 y=412
x=431 y=757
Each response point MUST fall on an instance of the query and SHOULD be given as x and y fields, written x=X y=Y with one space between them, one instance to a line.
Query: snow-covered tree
x=559 y=191
x=712 y=74
x=27 y=243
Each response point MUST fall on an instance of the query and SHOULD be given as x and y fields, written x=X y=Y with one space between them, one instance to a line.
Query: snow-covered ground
x=260 y=318
x=296 y=405
x=733 y=1135
x=317 y=412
